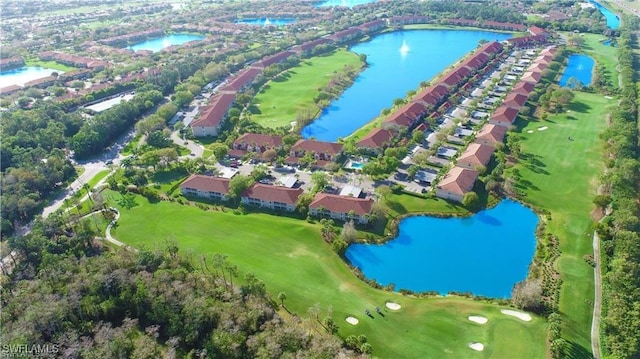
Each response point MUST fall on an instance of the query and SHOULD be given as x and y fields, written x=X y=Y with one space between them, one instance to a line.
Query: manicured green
x=299 y=86
x=49 y=64
x=298 y=262
x=560 y=168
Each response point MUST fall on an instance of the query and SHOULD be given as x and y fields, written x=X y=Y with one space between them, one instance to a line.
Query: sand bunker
x=520 y=315
x=530 y=131
x=542 y=128
x=352 y=320
x=478 y=319
x=393 y=306
x=477 y=346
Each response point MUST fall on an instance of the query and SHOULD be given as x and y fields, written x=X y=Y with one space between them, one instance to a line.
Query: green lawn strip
x=49 y=64
x=298 y=262
x=405 y=203
x=300 y=86
x=606 y=55
x=560 y=170
x=100 y=175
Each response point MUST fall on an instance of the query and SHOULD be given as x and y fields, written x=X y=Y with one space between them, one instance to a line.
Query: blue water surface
x=266 y=21
x=158 y=44
x=613 y=21
x=485 y=254
x=580 y=67
x=21 y=75
x=391 y=73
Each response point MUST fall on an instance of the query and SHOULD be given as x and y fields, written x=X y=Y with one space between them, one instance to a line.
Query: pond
x=24 y=74
x=579 y=67
x=265 y=21
x=158 y=44
x=397 y=62
x=613 y=21
x=485 y=254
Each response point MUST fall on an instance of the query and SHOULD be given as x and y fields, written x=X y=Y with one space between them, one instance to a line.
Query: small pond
x=158 y=44
x=485 y=254
x=265 y=21
x=24 y=74
x=579 y=67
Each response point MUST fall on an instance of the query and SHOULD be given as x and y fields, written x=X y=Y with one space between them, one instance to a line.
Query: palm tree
x=282 y=296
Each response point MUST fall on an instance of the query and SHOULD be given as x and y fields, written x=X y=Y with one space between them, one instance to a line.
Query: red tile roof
x=309 y=45
x=476 y=61
x=241 y=79
x=207 y=183
x=344 y=34
x=458 y=180
x=476 y=154
x=523 y=87
x=537 y=67
x=269 y=193
x=317 y=147
x=531 y=76
x=377 y=138
x=515 y=100
x=342 y=204
x=505 y=114
x=213 y=114
x=433 y=95
x=491 y=133
x=504 y=25
x=549 y=51
x=452 y=78
x=534 y=30
x=259 y=139
x=274 y=59
x=489 y=48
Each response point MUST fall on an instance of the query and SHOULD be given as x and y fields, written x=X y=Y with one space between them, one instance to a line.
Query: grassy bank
x=49 y=64
x=299 y=86
x=298 y=262
x=560 y=166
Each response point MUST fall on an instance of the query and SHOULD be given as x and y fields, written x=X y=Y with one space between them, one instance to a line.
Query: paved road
x=91 y=168
x=196 y=149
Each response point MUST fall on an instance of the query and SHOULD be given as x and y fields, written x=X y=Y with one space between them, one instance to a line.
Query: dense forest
x=80 y=301
x=620 y=231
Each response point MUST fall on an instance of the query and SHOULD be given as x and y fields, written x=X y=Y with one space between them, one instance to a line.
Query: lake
x=24 y=74
x=580 y=67
x=158 y=44
x=485 y=254
x=424 y=55
x=613 y=21
x=266 y=21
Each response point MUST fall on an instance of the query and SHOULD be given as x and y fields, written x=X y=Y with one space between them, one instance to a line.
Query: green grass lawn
x=561 y=175
x=100 y=175
x=299 y=86
x=298 y=262
x=49 y=64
